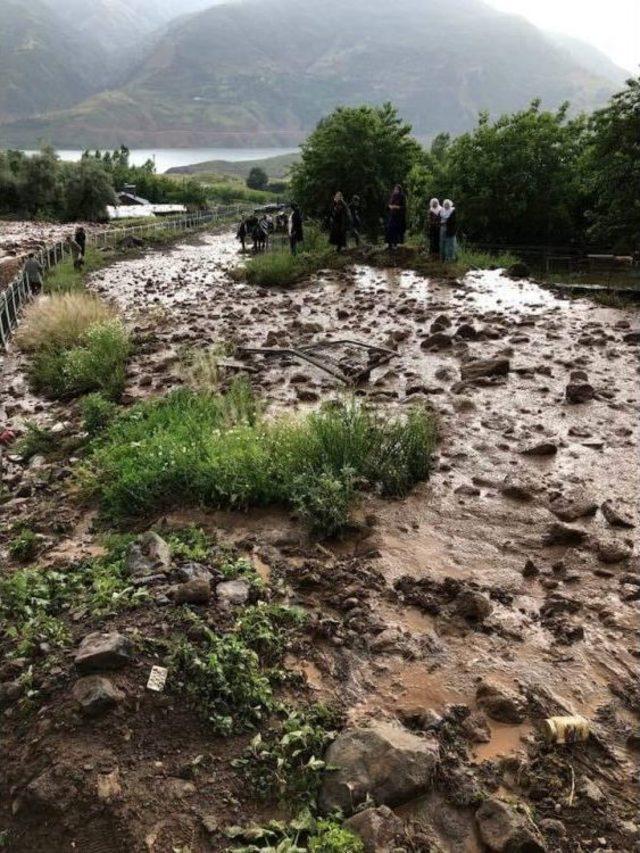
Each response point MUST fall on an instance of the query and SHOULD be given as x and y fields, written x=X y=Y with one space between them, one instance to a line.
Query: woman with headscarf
x=433 y=226
x=397 y=221
x=339 y=222
x=448 y=231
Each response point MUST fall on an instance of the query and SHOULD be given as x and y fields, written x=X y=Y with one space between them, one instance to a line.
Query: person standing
x=339 y=222
x=81 y=239
x=33 y=270
x=448 y=231
x=296 y=232
x=242 y=234
x=356 y=220
x=433 y=227
x=397 y=219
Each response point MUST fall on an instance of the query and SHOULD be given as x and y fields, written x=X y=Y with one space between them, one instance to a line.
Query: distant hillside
x=264 y=72
x=275 y=167
x=590 y=58
x=44 y=64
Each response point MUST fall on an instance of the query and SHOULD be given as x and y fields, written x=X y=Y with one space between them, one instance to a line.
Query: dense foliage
x=360 y=151
x=257 y=179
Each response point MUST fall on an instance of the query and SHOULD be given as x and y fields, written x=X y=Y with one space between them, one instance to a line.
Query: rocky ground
x=446 y=627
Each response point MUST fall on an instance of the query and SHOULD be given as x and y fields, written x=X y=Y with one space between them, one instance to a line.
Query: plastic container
x=567 y=729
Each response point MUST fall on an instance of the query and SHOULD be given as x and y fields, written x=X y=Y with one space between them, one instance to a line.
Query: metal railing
x=19 y=291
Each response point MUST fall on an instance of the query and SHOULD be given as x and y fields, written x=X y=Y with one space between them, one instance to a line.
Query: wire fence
x=20 y=291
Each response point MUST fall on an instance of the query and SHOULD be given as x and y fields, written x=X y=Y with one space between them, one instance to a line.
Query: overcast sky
x=612 y=25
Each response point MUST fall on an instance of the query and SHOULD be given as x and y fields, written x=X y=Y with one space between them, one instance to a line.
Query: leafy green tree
x=360 y=151
x=257 y=179
x=88 y=190
x=514 y=181
x=41 y=191
x=612 y=172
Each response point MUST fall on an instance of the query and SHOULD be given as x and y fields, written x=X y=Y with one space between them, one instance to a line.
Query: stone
x=100 y=651
x=541 y=448
x=503 y=831
x=379 y=829
x=571 y=509
x=518 y=270
x=439 y=340
x=148 y=555
x=473 y=605
x=53 y=789
x=610 y=551
x=467 y=491
x=385 y=762
x=10 y=692
x=632 y=337
x=197 y=591
x=614 y=516
x=530 y=570
x=517 y=489
x=579 y=392
x=233 y=592
x=192 y=572
x=562 y=534
x=500 y=705
x=95 y=695
x=466 y=332
x=485 y=367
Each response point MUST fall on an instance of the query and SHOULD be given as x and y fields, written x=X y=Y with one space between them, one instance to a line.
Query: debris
x=157 y=678
x=566 y=729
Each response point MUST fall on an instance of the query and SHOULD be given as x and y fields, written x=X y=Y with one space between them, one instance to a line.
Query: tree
x=258 y=179
x=612 y=172
x=515 y=181
x=40 y=188
x=360 y=151
x=88 y=190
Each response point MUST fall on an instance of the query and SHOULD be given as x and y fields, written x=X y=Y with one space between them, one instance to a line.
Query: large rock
x=100 y=651
x=579 y=392
x=562 y=534
x=614 y=516
x=500 y=705
x=148 y=555
x=233 y=592
x=485 y=367
x=473 y=605
x=96 y=694
x=503 y=831
x=610 y=551
x=573 y=508
x=385 y=762
x=192 y=592
x=439 y=340
x=379 y=829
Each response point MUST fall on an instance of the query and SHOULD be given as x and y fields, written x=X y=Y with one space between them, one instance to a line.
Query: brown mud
x=550 y=619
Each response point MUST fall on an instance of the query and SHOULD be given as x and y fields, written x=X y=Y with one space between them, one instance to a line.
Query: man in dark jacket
x=34 y=271
x=296 y=232
x=356 y=221
x=339 y=222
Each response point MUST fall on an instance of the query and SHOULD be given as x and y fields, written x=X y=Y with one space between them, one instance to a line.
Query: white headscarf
x=434 y=205
x=447 y=209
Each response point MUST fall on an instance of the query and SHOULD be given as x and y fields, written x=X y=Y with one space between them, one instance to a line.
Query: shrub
x=97 y=413
x=24 y=547
x=317 y=836
x=59 y=322
x=215 y=450
x=281 y=268
x=36 y=441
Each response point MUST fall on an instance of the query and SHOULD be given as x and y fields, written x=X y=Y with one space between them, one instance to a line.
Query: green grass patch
x=305 y=834
x=97 y=412
x=217 y=451
x=25 y=546
x=37 y=441
x=63 y=278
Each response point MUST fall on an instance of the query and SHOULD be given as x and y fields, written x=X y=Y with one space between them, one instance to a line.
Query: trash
x=157 y=679
x=573 y=729
x=7 y=437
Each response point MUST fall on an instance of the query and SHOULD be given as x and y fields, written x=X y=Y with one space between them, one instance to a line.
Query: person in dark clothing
x=81 y=239
x=242 y=234
x=397 y=219
x=433 y=227
x=339 y=222
x=356 y=220
x=448 y=231
x=296 y=232
x=34 y=272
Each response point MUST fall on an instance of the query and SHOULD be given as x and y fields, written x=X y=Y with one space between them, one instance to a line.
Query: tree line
x=534 y=177
x=45 y=187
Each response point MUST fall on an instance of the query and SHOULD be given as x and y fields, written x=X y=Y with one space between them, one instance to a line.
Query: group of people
x=77 y=246
x=442 y=229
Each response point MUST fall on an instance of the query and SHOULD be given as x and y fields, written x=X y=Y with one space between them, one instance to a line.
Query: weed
x=24 y=547
x=240 y=569
x=216 y=450
x=288 y=764
x=37 y=441
x=268 y=628
x=97 y=413
x=190 y=543
x=305 y=834
x=60 y=322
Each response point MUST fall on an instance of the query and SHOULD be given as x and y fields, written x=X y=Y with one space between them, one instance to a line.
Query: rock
x=570 y=509
x=578 y=376
x=193 y=572
x=379 y=829
x=95 y=695
x=541 y=448
x=476 y=728
x=10 y=692
x=53 y=789
x=552 y=826
x=562 y=534
x=385 y=762
x=473 y=605
x=610 y=551
x=148 y=555
x=530 y=570
x=499 y=705
x=590 y=791
x=467 y=491
x=632 y=337
x=518 y=270
x=466 y=332
x=197 y=591
x=614 y=516
x=579 y=392
x=517 y=489
x=501 y=829
x=233 y=592
x=485 y=367
x=439 y=340
x=100 y=651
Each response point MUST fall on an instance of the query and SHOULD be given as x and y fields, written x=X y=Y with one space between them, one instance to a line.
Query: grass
x=65 y=279
x=25 y=546
x=216 y=450
x=59 y=322
x=37 y=441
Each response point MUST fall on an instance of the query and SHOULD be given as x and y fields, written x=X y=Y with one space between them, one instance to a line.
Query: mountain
x=590 y=58
x=259 y=73
x=43 y=64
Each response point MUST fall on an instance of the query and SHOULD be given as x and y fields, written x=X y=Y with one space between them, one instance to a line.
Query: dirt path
x=516 y=461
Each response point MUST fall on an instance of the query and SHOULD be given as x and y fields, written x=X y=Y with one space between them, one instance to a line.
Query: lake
x=167 y=158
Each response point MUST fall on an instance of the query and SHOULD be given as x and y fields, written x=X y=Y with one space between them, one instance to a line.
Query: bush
x=59 y=322
x=317 y=836
x=215 y=450
x=257 y=179
x=24 y=547
x=97 y=413
x=37 y=441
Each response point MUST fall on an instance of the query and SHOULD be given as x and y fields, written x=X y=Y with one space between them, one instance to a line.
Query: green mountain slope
x=260 y=73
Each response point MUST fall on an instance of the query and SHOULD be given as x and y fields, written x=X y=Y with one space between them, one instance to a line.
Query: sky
x=612 y=26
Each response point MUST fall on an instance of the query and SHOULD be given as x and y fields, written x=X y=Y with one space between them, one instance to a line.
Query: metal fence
x=19 y=291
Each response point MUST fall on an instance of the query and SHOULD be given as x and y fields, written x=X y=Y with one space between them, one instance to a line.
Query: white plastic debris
x=157 y=678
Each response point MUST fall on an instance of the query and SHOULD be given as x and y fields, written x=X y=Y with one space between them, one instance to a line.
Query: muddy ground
x=503 y=569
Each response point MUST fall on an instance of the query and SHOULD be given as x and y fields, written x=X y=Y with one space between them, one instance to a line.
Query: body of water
x=168 y=158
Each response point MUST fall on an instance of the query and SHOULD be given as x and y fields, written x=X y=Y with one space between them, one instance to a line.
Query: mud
x=561 y=634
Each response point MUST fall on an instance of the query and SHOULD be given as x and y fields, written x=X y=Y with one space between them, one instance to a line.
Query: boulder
x=441 y=323
x=541 y=448
x=473 y=605
x=503 y=831
x=610 y=551
x=500 y=705
x=193 y=571
x=385 y=762
x=197 y=591
x=148 y=555
x=101 y=651
x=579 y=392
x=614 y=516
x=632 y=337
x=233 y=592
x=485 y=367
x=439 y=340
x=10 y=692
x=572 y=508
x=562 y=534
x=54 y=789
x=95 y=694
x=379 y=829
